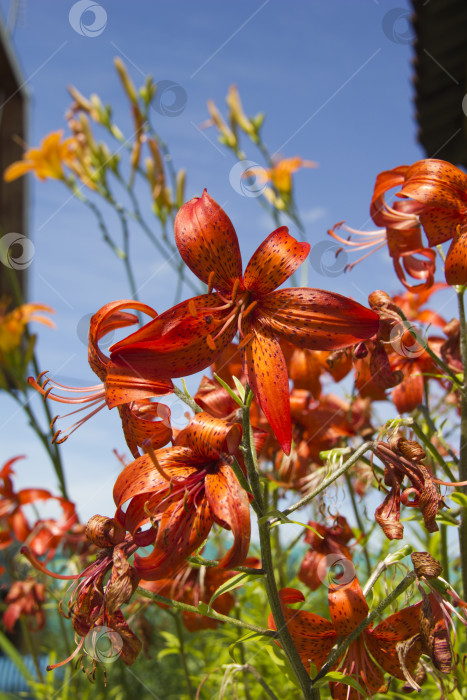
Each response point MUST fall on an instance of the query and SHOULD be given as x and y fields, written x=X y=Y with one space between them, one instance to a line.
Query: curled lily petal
x=210 y=436
x=176 y=343
x=316 y=319
x=436 y=183
x=276 y=259
x=384 y=182
x=207 y=242
x=109 y=318
x=144 y=421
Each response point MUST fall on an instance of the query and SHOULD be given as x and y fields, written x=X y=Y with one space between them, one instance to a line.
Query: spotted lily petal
x=207 y=242
x=316 y=319
x=347 y=606
x=210 y=436
x=276 y=259
x=145 y=421
x=456 y=259
x=436 y=183
x=230 y=509
x=382 y=641
x=313 y=636
x=176 y=343
x=268 y=378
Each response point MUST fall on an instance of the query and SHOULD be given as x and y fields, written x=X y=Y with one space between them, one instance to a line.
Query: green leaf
x=338 y=677
x=240 y=388
x=230 y=391
x=460 y=498
x=246 y=637
x=17 y=658
x=232 y=583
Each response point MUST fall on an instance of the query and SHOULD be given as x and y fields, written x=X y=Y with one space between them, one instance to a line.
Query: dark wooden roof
x=13 y=125
x=440 y=77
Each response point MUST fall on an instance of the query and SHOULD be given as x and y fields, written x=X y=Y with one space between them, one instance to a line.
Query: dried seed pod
x=104 y=532
x=425 y=565
x=407 y=448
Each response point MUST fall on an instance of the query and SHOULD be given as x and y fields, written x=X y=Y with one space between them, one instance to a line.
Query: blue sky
x=335 y=81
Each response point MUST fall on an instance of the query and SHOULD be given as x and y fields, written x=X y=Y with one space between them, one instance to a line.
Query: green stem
x=178 y=626
x=52 y=449
x=463 y=438
x=246 y=668
x=330 y=479
x=359 y=523
x=337 y=652
x=443 y=531
x=208 y=613
x=423 y=343
x=186 y=398
x=431 y=448
x=31 y=647
x=264 y=526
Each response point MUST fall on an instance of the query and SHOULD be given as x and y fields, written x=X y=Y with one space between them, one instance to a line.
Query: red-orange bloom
x=45 y=535
x=194 y=585
x=182 y=491
x=189 y=337
x=400 y=232
x=25 y=598
x=327 y=545
x=440 y=189
x=142 y=419
x=375 y=650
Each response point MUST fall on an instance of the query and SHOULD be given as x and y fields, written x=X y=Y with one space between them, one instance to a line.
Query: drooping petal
x=315 y=319
x=347 y=606
x=207 y=242
x=383 y=640
x=440 y=224
x=313 y=636
x=268 y=378
x=176 y=343
x=230 y=509
x=456 y=259
x=409 y=393
x=276 y=259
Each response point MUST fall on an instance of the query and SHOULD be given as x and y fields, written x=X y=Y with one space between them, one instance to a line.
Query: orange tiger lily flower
x=142 y=419
x=45 y=535
x=25 y=599
x=183 y=490
x=45 y=161
x=190 y=336
x=194 y=585
x=400 y=231
x=440 y=189
x=375 y=650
